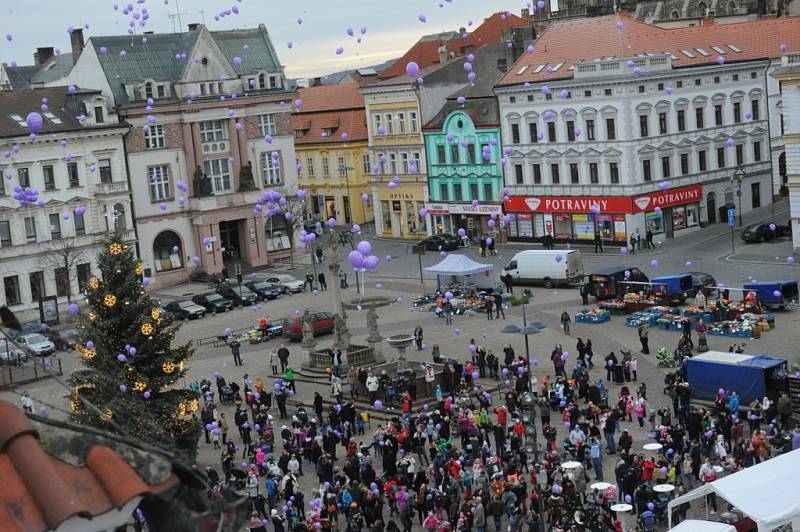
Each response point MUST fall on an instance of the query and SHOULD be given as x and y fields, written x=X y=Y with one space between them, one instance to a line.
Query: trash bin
x=619 y=375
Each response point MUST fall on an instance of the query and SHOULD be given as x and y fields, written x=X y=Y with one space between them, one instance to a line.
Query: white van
x=545 y=266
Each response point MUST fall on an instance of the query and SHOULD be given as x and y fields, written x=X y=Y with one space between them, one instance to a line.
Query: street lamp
x=534 y=327
x=736 y=179
x=344 y=169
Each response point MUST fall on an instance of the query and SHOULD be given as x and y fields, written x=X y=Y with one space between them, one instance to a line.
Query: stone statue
x=202 y=183
x=308 y=330
x=372 y=323
x=342 y=333
x=246 y=182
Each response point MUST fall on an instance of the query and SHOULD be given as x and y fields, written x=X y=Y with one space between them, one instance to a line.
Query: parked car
x=287 y=283
x=264 y=290
x=761 y=232
x=186 y=309
x=11 y=356
x=63 y=340
x=707 y=281
x=321 y=321
x=313 y=226
x=27 y=328
x=36 y=344
x=240 y=295
x=445 y=242
x=213 y=302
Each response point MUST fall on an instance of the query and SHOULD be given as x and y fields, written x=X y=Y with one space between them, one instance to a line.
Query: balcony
x=114 y=187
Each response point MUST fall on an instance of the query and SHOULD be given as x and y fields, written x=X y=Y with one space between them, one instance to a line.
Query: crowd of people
x=471 y=459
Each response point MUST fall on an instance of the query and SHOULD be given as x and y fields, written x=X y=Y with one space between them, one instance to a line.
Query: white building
x=643 y=127
x=789 y=77
x=77 y=166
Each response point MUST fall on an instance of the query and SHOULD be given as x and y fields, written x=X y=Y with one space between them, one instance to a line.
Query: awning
x=693 y=525
x=455 y=264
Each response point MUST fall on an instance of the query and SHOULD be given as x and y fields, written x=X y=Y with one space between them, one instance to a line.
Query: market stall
x=462 y=269
x=592 y=315
x=694 y=525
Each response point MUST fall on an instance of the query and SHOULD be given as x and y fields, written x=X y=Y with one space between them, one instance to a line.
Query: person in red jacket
x=407 y=402
x=647 y=469
x=502 y=415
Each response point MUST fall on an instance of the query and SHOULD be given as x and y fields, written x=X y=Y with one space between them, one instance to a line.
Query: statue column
x=309 y=344
x=342 y=333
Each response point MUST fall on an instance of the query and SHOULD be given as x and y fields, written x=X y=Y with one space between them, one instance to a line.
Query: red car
x=322 y=322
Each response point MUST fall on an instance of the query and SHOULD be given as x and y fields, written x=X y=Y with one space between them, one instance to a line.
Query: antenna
x=177 y=15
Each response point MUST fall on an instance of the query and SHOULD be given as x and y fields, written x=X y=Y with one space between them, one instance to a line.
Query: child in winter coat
x=640 y=410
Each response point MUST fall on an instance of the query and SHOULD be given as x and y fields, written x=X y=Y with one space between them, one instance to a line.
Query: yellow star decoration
x=74 y=399
x=139 y=386
x=168 y=367
x=85 y=352
x=115 y=248
x=155 y=314
x=139 y=269
x=92 y=315
x=147 y=329
x=107 y=415
x=110 y=300
x=94 y=282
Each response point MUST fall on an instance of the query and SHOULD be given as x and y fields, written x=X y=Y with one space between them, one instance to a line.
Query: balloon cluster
x=25 y=196
x=362 y=257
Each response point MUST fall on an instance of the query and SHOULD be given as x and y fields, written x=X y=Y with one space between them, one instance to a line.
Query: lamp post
x=349 y=213
x=535 y=327
x=736 y=179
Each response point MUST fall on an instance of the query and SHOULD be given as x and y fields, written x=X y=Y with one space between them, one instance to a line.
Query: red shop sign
x=568 y=204
x=668 y=198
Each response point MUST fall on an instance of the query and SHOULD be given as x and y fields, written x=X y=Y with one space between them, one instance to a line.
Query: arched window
x=702 y=9
x=675 y=14
x=119 y=217
x=167 y=252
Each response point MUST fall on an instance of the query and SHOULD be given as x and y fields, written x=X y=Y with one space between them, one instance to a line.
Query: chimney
x=707 y=22
x=194 y=26
x=316 y=82
x=76 y=40
x=444 y=53
x=526 y=13
x=502 y=64
x=42 y=55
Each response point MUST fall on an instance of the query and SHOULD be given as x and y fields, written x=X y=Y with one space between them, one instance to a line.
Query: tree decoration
x=150 y=410
x=93 y=282
x=139 y=269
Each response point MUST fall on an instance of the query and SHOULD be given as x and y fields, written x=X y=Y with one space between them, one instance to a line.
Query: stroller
x=665 y=358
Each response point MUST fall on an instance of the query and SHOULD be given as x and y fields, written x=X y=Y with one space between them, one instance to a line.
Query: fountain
x=401 y=342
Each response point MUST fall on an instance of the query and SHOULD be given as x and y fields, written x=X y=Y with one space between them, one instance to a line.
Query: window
x=587 y=94
x=473 y=191
x=117 y=215
x=24 y=176
x=518 y=174
x=386 y=215
x=548 y=96
x=701 y=160
x=680 y=84
x=470 y=153
x=401 y=123
x=665 y=167
x=98 y=115
x=37 y=285
x=755 y=195
x=646 y=171
x=590 y=130
x=392 y=163
x=11 y=285
x=5 y=234
x=167 y=252
x=660 y=86
x=72 y=172
x=737 y=112
x=571 y=130
x=30 y=229
x=697 y=82
x=755 y=109
x=488 y=193
x=340 y=166
x=62 y=281
x=378 y=122
x=104 y=165
x=574 y=177
x=716 y=80
x=266 y=124
x=594 y=177
x=643 y=132
x=154 y=137
x=611 y=129
x=753 y=75
x=80 y=223
x=49 y=177
x=389 y=124
x=454 y=154
x=721 y=157
x=212 y=130
x=613 y=171
x=555 y=174
x=148 y=90
x=84 y=271
x=160 y=187
x=718 y=115
x=326 y=171
x=365 y=164
x=607 y=92
x=739 y=154
x=551 y=132
x=736 y=77
x=55 y=226
x=537 y=174
x=512 y=99
x=404 y=162
x=641 y=89
x=412 y=118
x=757 y=151
x=457 y=196
x=698 y=118
x=444 y=193
x=662 y=123
x=533 y=131
x=681 y=120
x=486 y=150
x=684 y=163
x=310 y=165
x=514 y=133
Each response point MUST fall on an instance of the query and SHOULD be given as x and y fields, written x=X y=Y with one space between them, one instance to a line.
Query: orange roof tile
x=426 y=52
x=584 y=40
x=337 y=107
x=331 y=97
x=41 y=492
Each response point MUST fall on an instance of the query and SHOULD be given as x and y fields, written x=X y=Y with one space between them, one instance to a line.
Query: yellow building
x=331 y=145
x=397 y=154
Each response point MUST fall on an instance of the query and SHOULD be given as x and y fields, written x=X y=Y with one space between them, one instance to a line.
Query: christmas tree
x=128 y=382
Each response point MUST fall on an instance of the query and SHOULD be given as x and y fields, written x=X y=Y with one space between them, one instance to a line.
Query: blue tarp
x=765 y=361
x=743 y=374
x=675 y=283
x=766 y=291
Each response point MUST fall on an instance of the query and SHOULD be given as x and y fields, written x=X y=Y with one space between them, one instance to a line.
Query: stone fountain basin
x=400 y=341
x=365 y=303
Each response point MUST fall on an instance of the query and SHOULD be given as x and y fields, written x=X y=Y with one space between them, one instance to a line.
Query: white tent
x=693 y=525
x=767 y=493
x=455 y=265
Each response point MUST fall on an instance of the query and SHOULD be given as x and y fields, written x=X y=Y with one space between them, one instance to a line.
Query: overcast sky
x=392 y=26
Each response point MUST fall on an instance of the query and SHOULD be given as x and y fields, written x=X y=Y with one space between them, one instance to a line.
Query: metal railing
x=40 y=368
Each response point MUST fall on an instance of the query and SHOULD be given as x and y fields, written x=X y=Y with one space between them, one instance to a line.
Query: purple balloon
x=356 y=259
x=378 y=404
x=412 y=69
x=35 y=122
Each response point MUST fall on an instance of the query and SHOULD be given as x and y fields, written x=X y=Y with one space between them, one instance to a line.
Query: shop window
x=692 y=215
x=386 y=214
x=562 y=226
x=167 y=252
x=411 y=217
x=654 y=221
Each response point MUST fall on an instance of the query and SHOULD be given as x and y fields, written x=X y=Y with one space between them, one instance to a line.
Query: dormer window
x=161 y=90
x=148 y=90
x=99 y=117
x=262 y=81
x=327 y=132
x=273 y=82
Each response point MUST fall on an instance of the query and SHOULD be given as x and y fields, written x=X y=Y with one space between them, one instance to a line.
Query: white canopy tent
x=455 y=265
x=693 y=525
x=767 y=493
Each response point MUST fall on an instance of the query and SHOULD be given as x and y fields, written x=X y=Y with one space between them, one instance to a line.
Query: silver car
x=287 y=283
x=37 y=344
x=11 y=356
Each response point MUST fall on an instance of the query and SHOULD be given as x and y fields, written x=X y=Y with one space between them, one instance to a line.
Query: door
x=229 y=238
x=330 y=207
x=396 y=220
x=348 y=218
x=668 y=223
x=755 y=194
x=711 y=207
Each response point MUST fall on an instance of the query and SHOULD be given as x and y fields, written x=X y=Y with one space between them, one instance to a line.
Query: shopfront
x=450 y=217
x=397 y=212
x=615 y=218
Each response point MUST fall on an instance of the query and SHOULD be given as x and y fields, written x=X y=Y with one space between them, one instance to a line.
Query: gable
x=216 y=64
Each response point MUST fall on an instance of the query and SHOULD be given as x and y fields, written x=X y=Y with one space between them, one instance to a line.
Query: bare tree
x=66 y=254
x=298 y=210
